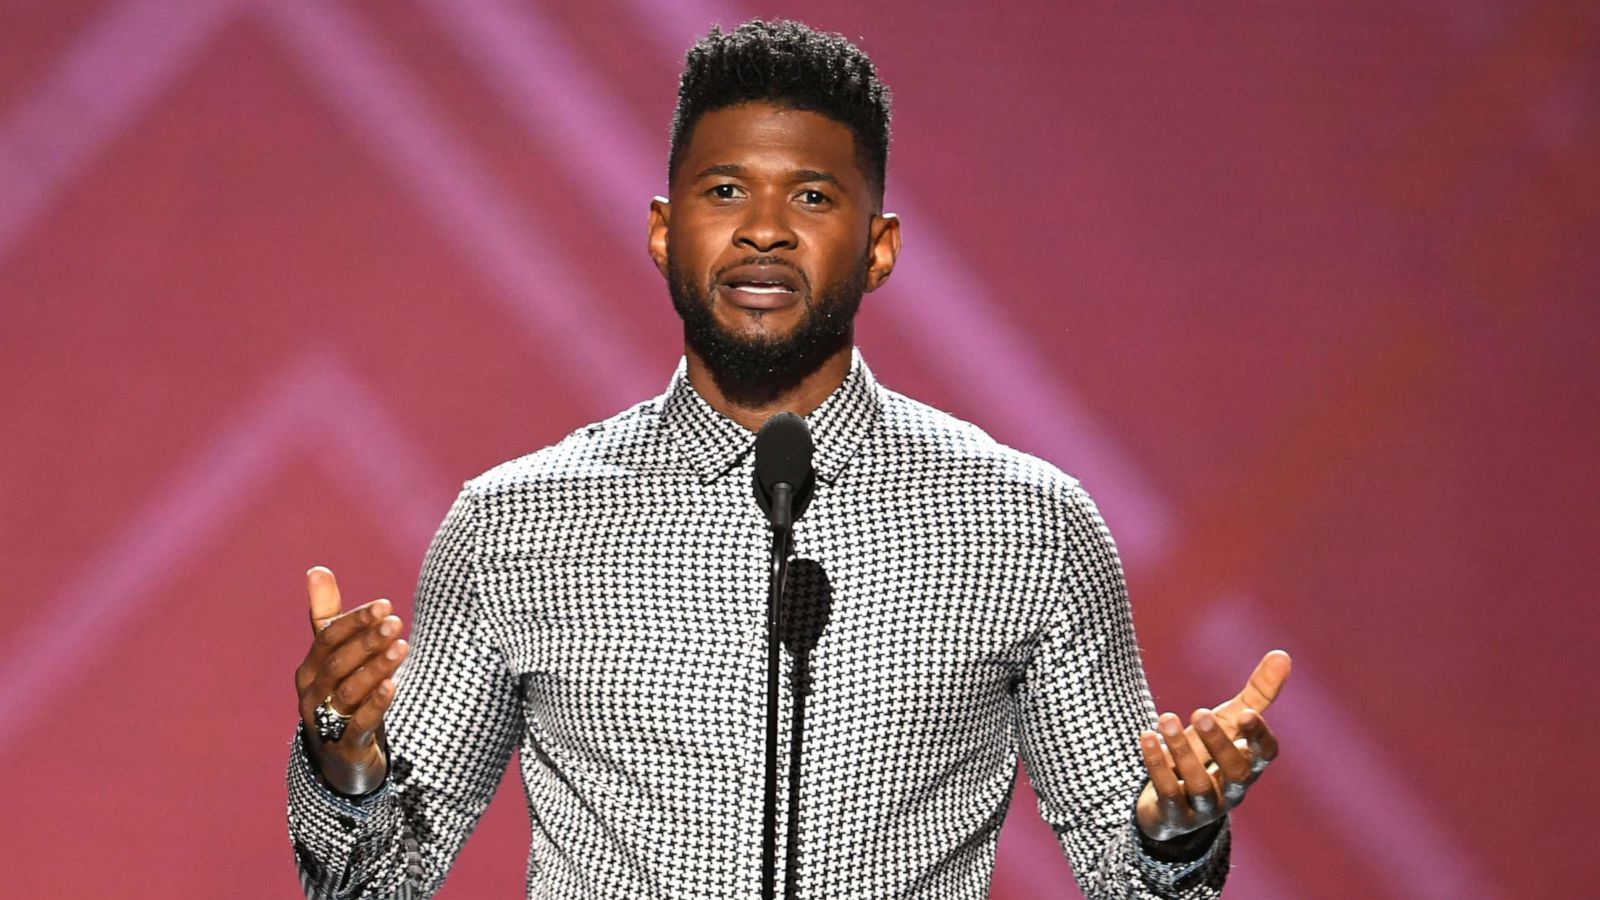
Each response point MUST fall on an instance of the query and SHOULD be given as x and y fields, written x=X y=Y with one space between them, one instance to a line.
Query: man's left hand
x=1199 y=772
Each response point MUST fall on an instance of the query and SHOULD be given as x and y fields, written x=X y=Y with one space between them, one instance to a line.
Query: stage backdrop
x=1305 y=294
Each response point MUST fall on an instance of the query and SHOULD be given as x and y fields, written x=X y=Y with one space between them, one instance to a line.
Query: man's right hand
x=353 y=659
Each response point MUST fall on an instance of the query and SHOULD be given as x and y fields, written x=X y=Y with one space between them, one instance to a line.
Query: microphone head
x=783 y=456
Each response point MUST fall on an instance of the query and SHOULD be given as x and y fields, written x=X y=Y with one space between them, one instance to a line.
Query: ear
x=884 y=249
x=660 y=212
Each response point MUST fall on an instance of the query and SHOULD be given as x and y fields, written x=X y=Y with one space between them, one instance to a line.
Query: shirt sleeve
x=1082 y=703
x=455 y=720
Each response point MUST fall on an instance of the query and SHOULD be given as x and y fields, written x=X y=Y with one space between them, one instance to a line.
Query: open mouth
x=757 y=287
x=761 y=286
x=755 y=295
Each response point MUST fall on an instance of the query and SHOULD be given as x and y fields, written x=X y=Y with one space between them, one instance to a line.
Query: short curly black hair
x=791 y=65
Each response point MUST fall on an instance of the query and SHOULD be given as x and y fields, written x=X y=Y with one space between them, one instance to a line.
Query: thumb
x=324 y=593
x=1266 y=681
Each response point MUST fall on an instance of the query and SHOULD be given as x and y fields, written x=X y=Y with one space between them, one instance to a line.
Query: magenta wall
x=1305 y=293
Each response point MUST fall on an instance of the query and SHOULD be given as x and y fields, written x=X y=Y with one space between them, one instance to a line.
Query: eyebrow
x=798 y=175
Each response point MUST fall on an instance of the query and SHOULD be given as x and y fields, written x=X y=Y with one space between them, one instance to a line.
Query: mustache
x=759 y=260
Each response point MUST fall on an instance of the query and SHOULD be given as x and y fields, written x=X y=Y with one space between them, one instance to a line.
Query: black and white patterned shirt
x=601 y=606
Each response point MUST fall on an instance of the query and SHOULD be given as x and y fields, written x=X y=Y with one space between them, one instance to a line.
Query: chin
x=763 y=326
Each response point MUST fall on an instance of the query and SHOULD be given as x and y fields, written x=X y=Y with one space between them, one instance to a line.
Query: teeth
x=762 y=288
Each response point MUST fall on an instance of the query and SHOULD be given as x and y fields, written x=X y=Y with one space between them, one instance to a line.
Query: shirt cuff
x=324 y=825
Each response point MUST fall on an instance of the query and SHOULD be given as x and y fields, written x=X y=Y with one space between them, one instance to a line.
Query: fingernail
x=393 y=652
x=1205 y=722
x=1170 y=727
x=386 y=629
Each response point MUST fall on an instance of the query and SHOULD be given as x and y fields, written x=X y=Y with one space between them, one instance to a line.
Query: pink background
x=1305 y=293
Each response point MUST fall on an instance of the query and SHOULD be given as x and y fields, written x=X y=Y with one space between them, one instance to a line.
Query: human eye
x=726 y=191
x=812 y=197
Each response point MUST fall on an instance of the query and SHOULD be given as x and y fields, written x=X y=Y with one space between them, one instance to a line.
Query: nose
x=765 y=227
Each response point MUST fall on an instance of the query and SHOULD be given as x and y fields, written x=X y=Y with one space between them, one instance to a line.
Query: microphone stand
x=782 y=540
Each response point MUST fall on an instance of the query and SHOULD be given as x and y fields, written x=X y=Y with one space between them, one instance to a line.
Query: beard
x=753 y=372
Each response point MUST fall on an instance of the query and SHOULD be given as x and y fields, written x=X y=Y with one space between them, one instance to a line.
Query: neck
x=802 y=400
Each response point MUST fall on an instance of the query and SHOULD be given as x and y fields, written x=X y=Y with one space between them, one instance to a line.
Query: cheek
x=691 y=248
x=845 y=253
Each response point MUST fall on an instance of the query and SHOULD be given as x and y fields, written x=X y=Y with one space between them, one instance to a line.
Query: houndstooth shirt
x=600 y=605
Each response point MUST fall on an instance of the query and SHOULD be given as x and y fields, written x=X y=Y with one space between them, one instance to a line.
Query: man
x=600 y=604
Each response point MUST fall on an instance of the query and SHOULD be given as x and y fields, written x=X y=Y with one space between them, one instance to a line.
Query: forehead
x=760 y=136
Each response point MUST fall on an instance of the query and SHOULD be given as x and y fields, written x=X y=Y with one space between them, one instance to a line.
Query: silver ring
x=330 y=722
x=1258 y=763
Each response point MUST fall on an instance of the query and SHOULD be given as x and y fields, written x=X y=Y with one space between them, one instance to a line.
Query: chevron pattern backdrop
x=1305 y=293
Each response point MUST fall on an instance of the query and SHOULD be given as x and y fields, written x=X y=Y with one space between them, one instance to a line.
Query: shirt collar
x=713 y=443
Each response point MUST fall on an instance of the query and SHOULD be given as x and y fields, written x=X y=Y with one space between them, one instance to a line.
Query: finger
x=342 y=629
x=324 y=593
x=354 y=653
x=1262 y=743
x=1232 y=764
x=1197 y=783
x=337 y=663
x=363 y=725
x=353 y=690
x=352 y=624
x=1162 y=779
x=1262 y=688
x=1197 y=745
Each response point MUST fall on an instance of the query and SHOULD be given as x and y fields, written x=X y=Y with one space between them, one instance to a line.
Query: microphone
x=784 y=479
